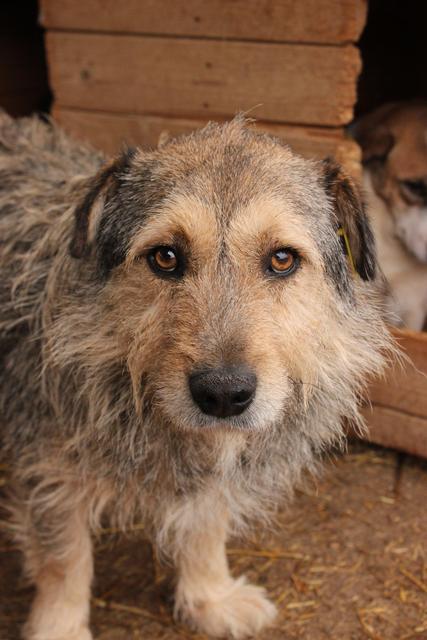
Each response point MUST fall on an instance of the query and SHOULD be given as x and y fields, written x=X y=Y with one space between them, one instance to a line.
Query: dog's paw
x=239 y=610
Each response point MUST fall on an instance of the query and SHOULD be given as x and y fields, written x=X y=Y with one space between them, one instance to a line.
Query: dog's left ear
x=100 y=190
x=351 y=219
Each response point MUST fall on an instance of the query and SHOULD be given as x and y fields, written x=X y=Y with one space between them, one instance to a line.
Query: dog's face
x=394 y=145
x=220 y=259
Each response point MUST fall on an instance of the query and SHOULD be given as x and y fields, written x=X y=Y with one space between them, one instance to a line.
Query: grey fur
x=72 y=427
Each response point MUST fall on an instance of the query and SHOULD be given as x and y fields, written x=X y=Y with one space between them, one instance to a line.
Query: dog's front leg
x=207 y=597
x=62 y=571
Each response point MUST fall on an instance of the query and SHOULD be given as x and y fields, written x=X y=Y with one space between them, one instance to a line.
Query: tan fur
x=61 y=607
x=97 y=353
x=209 y=599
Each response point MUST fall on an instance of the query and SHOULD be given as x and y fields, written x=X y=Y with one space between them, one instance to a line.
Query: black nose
x=223 y=392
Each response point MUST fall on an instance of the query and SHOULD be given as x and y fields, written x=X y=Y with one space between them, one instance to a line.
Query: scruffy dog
x=181 y=336
x=394 y=143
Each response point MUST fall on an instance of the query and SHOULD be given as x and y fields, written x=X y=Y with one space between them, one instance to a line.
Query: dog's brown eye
x=283 y=262
x=165 y=260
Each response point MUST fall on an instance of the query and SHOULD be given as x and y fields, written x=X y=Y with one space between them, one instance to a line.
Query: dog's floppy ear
x=88 y=213
x=351 y=221
x=373 y=135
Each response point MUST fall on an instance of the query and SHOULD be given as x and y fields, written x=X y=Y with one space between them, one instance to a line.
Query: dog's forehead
x=227 y=188
x=228 y=168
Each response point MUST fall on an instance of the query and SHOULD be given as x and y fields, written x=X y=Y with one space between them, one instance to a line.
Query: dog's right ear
x=350 y=219
x=373 y=135
x=88 y=213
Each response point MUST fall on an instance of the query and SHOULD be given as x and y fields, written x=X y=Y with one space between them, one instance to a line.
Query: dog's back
x=41 y=171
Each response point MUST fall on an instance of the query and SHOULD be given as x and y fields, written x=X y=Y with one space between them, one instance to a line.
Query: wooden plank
x=397 y=430
x=405 y=388
x=319 y=21
x=320 y=142
x=399 y=414
x=302 y=84
x=108 y=131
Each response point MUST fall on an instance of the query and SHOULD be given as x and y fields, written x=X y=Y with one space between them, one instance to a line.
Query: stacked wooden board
x=397 y=416
x=128 y=69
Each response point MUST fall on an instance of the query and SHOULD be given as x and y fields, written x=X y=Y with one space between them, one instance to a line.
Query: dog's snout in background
x=394 y=151
x=225 y=391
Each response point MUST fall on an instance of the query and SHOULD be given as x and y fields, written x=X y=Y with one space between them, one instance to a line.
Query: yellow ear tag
x=346 y=245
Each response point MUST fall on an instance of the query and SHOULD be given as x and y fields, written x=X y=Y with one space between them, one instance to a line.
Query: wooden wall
x=128 y=69
x=397 y=416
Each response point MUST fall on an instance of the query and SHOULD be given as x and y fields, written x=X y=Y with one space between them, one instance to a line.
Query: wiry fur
x=96 y=351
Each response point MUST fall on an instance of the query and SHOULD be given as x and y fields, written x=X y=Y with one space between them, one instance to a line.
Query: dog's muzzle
x=223 y=392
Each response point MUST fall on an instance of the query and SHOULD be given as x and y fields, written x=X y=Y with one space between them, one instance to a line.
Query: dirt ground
x=348 y=561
